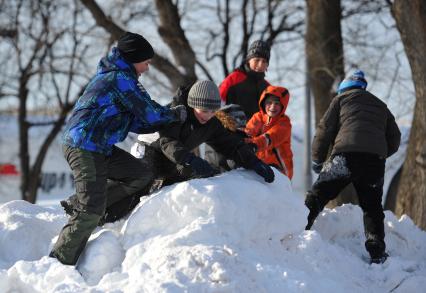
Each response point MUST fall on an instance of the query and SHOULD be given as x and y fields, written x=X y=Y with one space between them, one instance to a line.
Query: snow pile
x=230 y=233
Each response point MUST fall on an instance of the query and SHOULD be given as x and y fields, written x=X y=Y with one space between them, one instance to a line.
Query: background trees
x=40 y=70
x=51 y=48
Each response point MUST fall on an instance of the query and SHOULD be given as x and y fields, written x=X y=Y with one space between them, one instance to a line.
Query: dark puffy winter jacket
x=243 y=87
x=356 y=121
x=113 y=103
x=177 y=141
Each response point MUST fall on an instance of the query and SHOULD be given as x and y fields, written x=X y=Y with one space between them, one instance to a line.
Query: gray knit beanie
x=204 y=95
x=260 y=49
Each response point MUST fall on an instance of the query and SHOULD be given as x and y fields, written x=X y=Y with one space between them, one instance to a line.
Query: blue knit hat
x=356 y=80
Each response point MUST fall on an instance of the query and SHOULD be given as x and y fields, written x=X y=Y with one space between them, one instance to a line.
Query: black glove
x=179 y=112
x=317 y=167
x=201 y=168
x=315 y=206
x=252 y=146
x=264 y=170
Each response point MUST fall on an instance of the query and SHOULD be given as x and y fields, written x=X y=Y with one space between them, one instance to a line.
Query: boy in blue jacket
x=113 y=103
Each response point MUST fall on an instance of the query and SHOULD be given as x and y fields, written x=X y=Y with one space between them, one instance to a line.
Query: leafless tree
x=410 y=18
x=324 y=51
x=174 y=75
x=274 y=18
x=44 y=72
x=267 y=20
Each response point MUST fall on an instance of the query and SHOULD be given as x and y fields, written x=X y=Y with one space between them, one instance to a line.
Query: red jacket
x=272 y=136
x=243 y=87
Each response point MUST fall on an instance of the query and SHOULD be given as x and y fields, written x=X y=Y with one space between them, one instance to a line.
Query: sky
x=229 y=233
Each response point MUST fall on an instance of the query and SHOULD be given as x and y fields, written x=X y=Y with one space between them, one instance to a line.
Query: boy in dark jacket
x=247 y=82
x=113 y=103
x=363 y=133
x=243 y=88
x=171 y=155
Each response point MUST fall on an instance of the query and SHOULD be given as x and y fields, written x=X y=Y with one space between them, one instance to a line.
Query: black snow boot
x=376 y=249
x=379 y=259
x=315 y=206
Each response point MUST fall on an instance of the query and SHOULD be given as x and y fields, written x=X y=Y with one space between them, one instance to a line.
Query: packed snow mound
x=229 y=233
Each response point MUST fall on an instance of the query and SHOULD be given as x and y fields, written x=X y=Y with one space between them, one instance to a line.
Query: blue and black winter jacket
x=113 y=104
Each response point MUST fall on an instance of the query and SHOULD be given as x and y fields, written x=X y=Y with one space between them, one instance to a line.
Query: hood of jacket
x=115 y=62
x=277 y=91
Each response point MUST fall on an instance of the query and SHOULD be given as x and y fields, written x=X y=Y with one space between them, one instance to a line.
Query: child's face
x=203 y=115
x=273 y=106
x=258 y=64
x=142 y=67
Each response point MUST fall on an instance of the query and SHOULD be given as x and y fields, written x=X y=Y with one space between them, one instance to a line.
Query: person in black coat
x=362 y=133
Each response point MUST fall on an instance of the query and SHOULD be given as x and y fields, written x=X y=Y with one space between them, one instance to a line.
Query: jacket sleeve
x=326 y=132
x=254 y=125
x=137 y=100
x=171 y=146
x=393 y=135
x=277 y=135
x=223 y=140
x=226 y=84
x=232 y=145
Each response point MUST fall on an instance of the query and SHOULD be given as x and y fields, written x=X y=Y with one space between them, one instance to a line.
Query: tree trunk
x=171 y=72
x=410 y=18
x=324 y=53
x=35 y=171
x=173 y=35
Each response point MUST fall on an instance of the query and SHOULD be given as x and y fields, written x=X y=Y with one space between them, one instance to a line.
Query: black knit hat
x=204 y=95
x=135 y=48
x=258 y=49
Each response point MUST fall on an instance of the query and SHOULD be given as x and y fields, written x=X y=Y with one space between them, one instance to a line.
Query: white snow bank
x=230 y=233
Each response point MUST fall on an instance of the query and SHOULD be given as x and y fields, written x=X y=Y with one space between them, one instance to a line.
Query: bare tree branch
x=173 y=35
x=161 y=63
x=102 y=19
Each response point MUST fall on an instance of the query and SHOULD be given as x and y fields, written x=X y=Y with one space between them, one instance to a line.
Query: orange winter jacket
x=272 y=136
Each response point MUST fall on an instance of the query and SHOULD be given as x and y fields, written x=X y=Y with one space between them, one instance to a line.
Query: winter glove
x=201 y=168
x=264 y=170
x=179 y=112
x=317 y=167
x=251 y=145
x=315 y=206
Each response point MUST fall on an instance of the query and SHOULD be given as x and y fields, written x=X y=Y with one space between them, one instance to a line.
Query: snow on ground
x=230 y=233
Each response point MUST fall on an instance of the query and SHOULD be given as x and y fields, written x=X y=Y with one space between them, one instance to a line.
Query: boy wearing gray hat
x=113 y=103
x=171 y=157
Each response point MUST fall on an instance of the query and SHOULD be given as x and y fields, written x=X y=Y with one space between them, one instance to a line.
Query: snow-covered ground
x=230 y=233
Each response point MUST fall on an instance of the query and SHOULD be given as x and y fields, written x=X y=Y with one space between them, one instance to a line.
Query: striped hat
x=204 y=95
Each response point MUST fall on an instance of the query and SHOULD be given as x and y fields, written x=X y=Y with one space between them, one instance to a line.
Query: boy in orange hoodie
x=270 y=130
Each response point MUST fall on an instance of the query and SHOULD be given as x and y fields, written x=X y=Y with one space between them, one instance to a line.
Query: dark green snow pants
x=99 y=182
